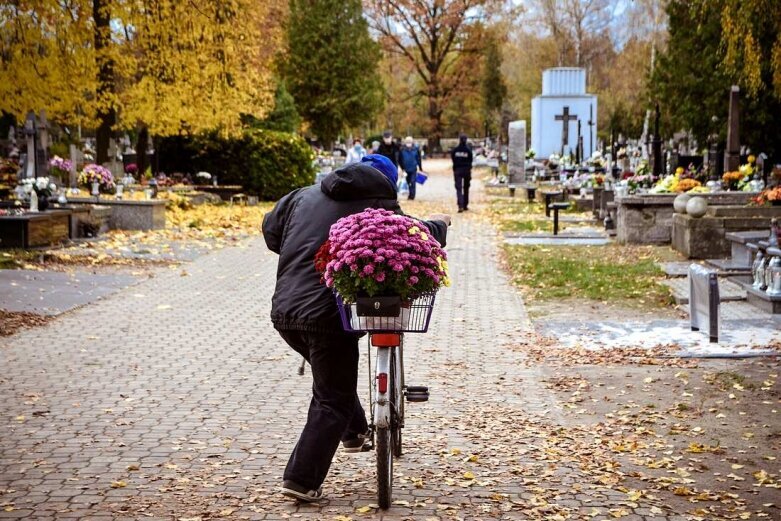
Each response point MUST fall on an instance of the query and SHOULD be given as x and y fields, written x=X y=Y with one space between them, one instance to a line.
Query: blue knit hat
x=384 y=165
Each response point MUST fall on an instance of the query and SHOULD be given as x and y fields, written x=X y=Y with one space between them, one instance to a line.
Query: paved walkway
x=175 y=399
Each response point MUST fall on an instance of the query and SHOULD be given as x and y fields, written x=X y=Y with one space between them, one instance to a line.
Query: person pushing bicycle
x=305 y=313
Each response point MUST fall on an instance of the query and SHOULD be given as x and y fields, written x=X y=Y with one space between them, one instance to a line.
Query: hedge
x=265 y=163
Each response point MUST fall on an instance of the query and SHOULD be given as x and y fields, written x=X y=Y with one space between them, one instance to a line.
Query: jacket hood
x=357 y=181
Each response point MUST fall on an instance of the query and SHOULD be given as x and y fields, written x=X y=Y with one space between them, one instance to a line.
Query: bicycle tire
x=397 y=401
x=384 y=468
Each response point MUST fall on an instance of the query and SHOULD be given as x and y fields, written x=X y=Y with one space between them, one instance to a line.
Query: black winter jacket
x=392 y=151
x=297 y=227
x=462 y=158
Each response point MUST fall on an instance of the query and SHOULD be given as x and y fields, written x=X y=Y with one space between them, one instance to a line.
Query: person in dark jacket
x=410 y=162
x=389 y=148
x=462 y=172
x=304 y=311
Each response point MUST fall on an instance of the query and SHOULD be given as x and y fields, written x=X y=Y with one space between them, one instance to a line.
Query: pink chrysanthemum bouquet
x=378 y=252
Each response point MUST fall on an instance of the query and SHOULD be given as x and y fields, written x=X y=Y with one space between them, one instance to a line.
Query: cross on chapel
x=565 y=118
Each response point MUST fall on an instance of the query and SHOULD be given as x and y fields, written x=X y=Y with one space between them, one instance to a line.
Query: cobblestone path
x=175 y=399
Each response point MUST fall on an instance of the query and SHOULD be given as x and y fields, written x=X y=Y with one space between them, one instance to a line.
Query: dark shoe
x=359 y=444
x=296 y=491
x=460 y=210
x=466 y=209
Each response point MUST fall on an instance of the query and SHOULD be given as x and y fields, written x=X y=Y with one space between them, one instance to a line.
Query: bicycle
x=386 y=319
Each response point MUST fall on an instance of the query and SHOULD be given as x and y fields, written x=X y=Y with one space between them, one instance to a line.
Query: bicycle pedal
x=417 y=397
x=416 y=389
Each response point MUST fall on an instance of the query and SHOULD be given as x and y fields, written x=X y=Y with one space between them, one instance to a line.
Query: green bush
x=266 y=163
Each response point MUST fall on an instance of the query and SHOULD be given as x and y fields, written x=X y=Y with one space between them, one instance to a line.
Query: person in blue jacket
x=410 y=162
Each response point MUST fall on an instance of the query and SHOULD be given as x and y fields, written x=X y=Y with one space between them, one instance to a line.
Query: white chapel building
x=557 y=111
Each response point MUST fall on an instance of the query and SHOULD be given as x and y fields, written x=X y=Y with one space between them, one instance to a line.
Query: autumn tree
x=434 y=37
x=156 y=66
x=331 y=65
x=494 y=90
x=47 y=60
x=698 y=101
x=751 y=35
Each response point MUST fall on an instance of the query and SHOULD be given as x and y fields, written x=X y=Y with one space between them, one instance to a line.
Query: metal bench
x=556 y=207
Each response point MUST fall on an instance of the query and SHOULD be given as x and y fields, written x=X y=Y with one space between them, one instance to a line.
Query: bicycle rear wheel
x=397 y=399
x=388 y=439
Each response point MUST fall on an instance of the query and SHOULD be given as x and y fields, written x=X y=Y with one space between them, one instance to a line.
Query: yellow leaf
x=363 y=510
x=455 y=452
x=735 y=466
x=469 y=475
x=118 y=484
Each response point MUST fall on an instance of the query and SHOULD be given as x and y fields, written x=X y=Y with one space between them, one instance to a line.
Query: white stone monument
x=557 y=111
x=516 y=153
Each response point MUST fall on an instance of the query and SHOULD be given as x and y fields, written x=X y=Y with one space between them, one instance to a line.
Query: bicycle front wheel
x=384 y=467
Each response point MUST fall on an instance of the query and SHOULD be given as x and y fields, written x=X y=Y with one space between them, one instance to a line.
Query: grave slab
x=741 y=337
x=728 y=290
x=53 y=292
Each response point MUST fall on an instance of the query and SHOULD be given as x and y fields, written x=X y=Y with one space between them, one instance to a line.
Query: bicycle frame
x=382 y=408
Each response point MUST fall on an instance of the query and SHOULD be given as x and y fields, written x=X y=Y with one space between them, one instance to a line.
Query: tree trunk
x=106 y=115
x=141 y=146
x=435 y=122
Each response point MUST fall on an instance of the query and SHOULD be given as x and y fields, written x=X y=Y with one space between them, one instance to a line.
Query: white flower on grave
x=204 y=175
x=52 y=186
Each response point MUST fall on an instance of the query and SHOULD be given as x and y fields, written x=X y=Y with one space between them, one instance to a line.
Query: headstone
x=12 y=135
x=591 y=124
x=565 y=117
x=656 y=148
x=76 y=159
x=28 y=170
x=516 y=160
x=563 y=101
x=42 y=147
x=732 y=155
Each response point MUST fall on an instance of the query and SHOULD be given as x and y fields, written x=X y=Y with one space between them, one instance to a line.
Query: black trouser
x=335 y=412
x=463 y=178
x=412 y=181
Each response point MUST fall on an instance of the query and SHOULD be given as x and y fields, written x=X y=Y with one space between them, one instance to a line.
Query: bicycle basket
x=389 y=314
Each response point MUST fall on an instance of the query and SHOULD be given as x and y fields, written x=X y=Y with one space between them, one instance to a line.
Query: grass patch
x=615 y=273
x=518 y=215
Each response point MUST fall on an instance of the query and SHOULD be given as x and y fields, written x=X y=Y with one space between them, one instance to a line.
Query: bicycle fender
x=382 y=406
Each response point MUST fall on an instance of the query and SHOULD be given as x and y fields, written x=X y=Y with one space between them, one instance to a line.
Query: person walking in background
x=410 y=161
x=356 y=153
x=389 y=148
x=462 y=172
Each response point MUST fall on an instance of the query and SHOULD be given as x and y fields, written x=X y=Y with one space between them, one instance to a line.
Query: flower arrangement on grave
x=686 y=184
x=530 y=153
x=731 y=180
x=643 y=168
x=596 y=180
x=596 y=160
x=131 y=169
x=636 y=182
x=42 y=186
x=377 y=252
x=769 y=196
x=60 y=167
x=93 y=173
x=554 y=160
x=203 y=176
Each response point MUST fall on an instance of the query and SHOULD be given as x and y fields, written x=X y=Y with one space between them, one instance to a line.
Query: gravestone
x=77 y=158
x=516 y=157
x=28 y=159
x=42 y=146
x=656 y=148
x=732 y=155
x=563 y=101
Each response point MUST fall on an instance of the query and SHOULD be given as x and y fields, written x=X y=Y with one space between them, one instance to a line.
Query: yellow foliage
x=179 y=66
